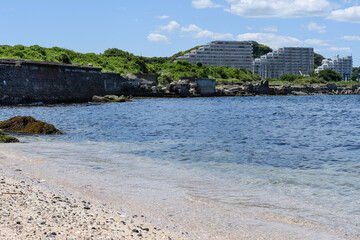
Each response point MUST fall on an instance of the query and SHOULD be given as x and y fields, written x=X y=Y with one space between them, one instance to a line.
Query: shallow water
x=291 y=156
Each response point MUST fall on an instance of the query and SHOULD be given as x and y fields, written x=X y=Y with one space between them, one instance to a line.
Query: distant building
x=235 y=54
x=286 y=60
x=343 y=66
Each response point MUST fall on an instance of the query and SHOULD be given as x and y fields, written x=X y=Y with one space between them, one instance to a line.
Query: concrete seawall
x=29 y=82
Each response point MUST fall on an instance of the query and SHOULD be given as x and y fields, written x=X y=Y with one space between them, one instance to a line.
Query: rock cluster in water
x=28 y=124
x=263 y=88
x=110 y=98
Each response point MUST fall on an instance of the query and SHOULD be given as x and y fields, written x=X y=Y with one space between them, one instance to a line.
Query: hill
x=122 y=62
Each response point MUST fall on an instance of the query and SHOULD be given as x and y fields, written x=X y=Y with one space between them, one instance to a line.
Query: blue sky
x=165 y=27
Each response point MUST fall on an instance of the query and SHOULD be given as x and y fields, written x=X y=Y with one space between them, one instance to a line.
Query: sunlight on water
x=295 y=156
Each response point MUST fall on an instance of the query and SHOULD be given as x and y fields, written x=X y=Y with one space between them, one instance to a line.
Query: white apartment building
x=286 y=60
x=235 y=54
x=343 y=66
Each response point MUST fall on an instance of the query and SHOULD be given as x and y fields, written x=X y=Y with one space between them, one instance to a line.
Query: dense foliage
x=329 y=75
x=260 y=49
x=354 y=77
x=323 y=77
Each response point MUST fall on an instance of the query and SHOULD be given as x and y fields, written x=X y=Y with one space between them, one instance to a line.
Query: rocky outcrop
x=110 y=98
x=4 y=138
x=263 y=88
x=28 y=124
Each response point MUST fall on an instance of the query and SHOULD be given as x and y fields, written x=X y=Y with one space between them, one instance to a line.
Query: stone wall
x=31 y=82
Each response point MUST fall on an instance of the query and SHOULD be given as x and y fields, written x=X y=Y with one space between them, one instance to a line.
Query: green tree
x=64 y=58
x=329 y=75
x=199 y=64
x=354 y=77
x=287 y=78
x=260 y=49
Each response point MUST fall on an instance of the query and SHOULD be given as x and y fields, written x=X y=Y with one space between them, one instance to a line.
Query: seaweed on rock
x=4 y=138
x=28 y=124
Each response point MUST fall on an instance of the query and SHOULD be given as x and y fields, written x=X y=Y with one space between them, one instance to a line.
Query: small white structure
x=343 y=66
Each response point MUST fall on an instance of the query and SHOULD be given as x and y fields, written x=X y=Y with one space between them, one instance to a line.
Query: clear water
x=289 y=155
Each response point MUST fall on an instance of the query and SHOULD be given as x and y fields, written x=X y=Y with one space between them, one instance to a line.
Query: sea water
x=296 y=156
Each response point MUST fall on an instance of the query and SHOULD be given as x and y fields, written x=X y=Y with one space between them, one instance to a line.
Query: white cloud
x=313 y=26
x=156 y=37
x=172 y=26
x=351 y=14
x=271 y=29
x=340 y=49
x=317 y=42
x=197 y=32
x=204 y=4
x=163 y=17
x=351 y=38
x=270 y=39
x=279 y=8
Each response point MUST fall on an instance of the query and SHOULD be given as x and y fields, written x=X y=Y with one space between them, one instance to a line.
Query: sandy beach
x=31 y=209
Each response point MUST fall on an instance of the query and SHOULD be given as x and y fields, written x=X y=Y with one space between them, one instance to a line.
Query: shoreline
x=241 y=95
x=33 y=208
x=196 y=218
x=247 y=89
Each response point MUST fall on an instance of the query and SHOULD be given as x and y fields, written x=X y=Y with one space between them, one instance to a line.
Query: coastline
x=33 y=208
x=193 y=218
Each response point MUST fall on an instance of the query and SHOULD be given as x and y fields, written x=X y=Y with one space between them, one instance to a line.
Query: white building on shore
x=343 y=66
x=286 y=60
x=236 y=54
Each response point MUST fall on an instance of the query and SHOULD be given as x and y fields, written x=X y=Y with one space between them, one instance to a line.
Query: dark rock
x=331 y=86
x=283 y=89
x=263 y=88
x=29 y=125
x=110 y=98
